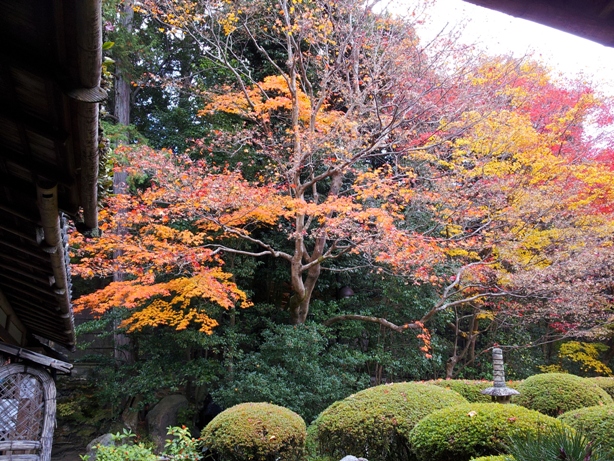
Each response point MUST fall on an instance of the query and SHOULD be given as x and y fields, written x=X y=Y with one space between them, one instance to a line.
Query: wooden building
x=50 y=69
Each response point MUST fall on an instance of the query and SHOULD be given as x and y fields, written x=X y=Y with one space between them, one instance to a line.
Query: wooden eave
x=590 y=19
x=50 y=69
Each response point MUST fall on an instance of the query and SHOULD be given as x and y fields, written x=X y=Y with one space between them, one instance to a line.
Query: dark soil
x=60 y=453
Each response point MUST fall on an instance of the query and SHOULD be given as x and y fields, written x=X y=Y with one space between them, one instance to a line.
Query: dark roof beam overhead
x=49 y=94
x=20 y=234
x=10 y=290
x=29 y=252
x=607 y=9
x=32 y=124
x=21 y=282
x=17 y=213
x=590 y=19
x=40 y=169
x=43 y=279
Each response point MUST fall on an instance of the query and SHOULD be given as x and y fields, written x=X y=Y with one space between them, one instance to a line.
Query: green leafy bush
x=180 y=446
x=597 y=423
x=297 y=367
x=556 y=393
x=561 y=443
x=605 y=383
x=375 y=423
x=474 y=429
x=256 y=432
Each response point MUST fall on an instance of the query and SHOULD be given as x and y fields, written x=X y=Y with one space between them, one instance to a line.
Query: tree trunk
x=122 y=81
x=303 y=288
x=122 y=99
x=299 y=303
x=122 y=347
x=450 y=365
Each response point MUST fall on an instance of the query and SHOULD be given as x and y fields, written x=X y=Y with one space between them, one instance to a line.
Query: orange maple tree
x=349 y=89
x=373 y=146
x=170 y=277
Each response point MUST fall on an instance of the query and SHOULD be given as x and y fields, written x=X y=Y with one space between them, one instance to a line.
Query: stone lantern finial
x=500 y=393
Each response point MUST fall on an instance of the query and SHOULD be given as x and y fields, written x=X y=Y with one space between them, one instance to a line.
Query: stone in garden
x=130 y=416
x=163 y=415
x=105 y=440
x=499 y=392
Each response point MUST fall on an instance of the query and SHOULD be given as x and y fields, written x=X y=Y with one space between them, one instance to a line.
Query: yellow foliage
x=485 y=315
x=553 y=368
x=274 y=95
x=586 y=355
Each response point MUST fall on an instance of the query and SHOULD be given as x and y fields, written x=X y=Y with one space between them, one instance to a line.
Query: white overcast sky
x=501 y=34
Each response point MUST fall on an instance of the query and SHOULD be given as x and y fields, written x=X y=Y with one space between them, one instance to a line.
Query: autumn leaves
x=478 y=176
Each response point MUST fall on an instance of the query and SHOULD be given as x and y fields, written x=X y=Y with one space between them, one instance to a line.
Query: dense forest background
x=301 y=199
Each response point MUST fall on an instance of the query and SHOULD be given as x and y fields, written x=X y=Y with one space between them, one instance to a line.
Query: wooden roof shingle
x=50 y=69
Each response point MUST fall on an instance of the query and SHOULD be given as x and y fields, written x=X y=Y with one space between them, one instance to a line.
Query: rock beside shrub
x=162 y=416
x=556 y=393
x=597 y=423
x=471 y=430
x=256 y=432
x=375 y=423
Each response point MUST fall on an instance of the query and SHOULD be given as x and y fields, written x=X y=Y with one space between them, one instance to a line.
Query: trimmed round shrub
x=256 y=431
x=470 y=389
x=605 y=383
x=557 y=393
x=597 y=423
x=474 y=429
x=375 y=423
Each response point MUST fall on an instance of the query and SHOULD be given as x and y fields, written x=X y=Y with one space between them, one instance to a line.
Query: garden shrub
x=375 y=423
x=605 y=383
x=470 y=389
x=255 y=431
x=556 y=393
x=179 y=446
x=597 y=423
x=326 y=371
x=554 y=444
x=473 y=429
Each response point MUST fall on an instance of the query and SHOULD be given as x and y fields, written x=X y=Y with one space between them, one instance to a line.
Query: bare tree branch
x=379 y=320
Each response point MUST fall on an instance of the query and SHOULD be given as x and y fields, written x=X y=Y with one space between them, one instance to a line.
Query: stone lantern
x=345 y=292
x=499 y=393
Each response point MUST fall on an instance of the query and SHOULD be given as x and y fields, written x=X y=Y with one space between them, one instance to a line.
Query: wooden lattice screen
x=27 y=413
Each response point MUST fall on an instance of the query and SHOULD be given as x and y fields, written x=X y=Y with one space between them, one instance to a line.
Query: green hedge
x=597 y=423
x=470 y=389
x=556 y=393
x=256 y=432
x=375 y=423
x=475 y=429
x=605 y=383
